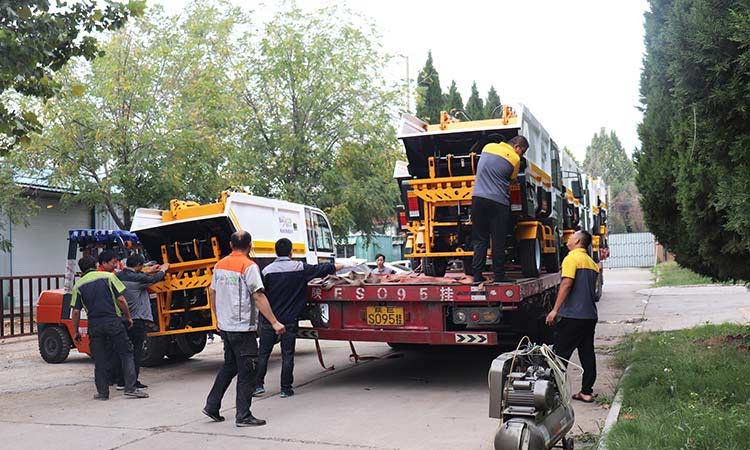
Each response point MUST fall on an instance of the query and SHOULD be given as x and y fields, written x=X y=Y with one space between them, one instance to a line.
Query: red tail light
x=515 y=195
x=413 y=205
x=402 y=219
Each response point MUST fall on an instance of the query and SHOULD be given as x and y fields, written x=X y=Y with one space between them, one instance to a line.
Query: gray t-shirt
x=498 y=165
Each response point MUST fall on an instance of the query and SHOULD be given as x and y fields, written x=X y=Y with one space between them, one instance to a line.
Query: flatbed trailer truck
x=432 y=313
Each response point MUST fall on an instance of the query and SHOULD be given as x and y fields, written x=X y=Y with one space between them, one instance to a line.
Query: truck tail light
x=412 y=204
x=402 y=219
x=487 y=315
x=515 y=198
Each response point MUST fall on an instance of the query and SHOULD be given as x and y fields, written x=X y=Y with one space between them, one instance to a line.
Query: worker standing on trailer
x=286 y=285
x=490 y=204
x=576 y=308
x=236 y=297
x=101 y=294
x=139 y=302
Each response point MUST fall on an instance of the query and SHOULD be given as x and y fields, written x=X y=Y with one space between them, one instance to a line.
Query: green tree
x=606 y=157
x=453 y=100
x=429 y=94
x=37 y=41
x=569 y=152
x=694 y=163
x=157 y=119
x=491 y=105
x=475 y=105
x=314 y=101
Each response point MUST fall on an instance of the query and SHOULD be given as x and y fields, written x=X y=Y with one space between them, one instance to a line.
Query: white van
x=267 y=220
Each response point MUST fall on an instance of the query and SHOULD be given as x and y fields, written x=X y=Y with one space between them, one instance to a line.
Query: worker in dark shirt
x=136 y=284
x=100 y=293
x=286 y=288
x=490 y=204
x=574 y=313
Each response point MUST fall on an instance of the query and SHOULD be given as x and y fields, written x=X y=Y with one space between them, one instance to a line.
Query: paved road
x=432 y=400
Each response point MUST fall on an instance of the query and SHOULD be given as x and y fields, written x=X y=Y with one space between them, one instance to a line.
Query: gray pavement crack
x=289 y=440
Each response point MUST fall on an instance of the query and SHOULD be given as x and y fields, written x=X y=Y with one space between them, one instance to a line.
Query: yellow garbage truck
x=437 y=183
x=192 y=237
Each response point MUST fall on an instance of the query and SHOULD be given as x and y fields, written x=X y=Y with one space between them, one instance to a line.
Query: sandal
x=580 y=397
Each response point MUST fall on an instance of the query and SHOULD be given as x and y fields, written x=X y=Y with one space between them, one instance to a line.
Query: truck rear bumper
x=402 y=336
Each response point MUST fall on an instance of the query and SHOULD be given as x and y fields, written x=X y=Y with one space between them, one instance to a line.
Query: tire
x=191 y=342
x=599 y=287
x=154 y=349
x=552 y=260
x=530 y=254
x=434 y=267
x=568 y=443
x=54 y=344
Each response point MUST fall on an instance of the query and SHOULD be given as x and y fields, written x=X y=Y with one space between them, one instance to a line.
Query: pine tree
x=694 y=163
x=429 y=94
x=453 y=98
x=475 y=105
x=493 y=101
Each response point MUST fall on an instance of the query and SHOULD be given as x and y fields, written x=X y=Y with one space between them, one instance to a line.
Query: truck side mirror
x=575 y=185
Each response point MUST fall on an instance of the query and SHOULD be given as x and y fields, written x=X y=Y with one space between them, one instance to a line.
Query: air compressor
x=530 y=392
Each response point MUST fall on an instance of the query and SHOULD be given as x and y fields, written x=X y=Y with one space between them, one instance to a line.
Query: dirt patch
x=739 y=341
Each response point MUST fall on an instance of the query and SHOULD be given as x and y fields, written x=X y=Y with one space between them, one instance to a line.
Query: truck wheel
x=552 y=260
x=531 y=256
x=191 y=342
x=434 y=267
x=54 y=344
x=154 y=349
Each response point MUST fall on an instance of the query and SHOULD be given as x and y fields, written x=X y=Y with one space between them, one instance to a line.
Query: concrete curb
x=613 y=415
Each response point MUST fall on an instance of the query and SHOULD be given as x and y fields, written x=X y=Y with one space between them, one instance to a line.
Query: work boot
x=139 y=385
x=250 y=421
x=260 y=390
x=137 y=393
x=101 y=396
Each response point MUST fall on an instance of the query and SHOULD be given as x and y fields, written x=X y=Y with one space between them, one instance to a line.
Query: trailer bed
x=421 y=313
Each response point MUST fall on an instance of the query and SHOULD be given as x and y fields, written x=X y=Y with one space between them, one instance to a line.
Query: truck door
x=324 y=246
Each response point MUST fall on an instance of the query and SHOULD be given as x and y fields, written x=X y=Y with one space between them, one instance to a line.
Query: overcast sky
x=576 y=64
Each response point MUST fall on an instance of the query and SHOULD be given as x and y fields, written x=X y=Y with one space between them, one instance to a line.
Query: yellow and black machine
x=193 y=237
x=437 y=184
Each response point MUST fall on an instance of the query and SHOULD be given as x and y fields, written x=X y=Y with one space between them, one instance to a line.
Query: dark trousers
x=137 y=335
x=106 y=339
x=268 y=339
x=240 y=353
x=489 y=220
x=572 y=334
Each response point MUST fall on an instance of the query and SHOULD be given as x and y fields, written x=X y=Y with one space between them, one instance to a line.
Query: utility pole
x=408 y=84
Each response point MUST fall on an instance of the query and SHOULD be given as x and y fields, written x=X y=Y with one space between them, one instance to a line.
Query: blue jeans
x=240 y=353
x=268 y=339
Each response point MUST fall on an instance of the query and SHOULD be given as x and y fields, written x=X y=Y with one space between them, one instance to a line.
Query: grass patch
x=671 y=274
x=687 y=389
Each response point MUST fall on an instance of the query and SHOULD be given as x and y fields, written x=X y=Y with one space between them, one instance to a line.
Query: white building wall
x=41 y=247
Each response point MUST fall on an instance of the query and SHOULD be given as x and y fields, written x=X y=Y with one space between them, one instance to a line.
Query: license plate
x=385 y=315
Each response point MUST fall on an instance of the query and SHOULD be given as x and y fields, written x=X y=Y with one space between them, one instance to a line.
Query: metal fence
x=631 y=250
x=19 y=296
